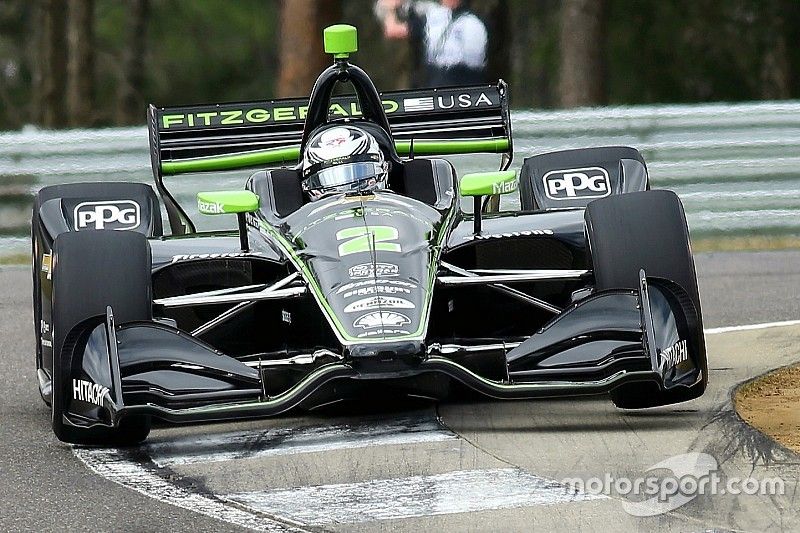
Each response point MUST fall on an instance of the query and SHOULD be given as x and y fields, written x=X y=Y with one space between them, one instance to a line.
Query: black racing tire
x=644 y=230
x=92 y=270
x=36 y=271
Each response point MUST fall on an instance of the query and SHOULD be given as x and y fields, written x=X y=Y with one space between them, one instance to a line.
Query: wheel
x=644 y=230
x=52 y=215
x=36 y=269
x=92 y=270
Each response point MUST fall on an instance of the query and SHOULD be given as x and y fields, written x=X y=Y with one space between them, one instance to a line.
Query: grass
x=15 y=259
x=745 y=243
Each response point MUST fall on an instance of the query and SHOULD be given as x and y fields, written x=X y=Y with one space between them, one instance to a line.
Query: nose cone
x=371 y=264
x=376 y=359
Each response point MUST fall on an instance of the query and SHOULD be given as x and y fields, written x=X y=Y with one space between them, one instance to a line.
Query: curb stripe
x=416 y=496
x=115 y=466
x=289 y=441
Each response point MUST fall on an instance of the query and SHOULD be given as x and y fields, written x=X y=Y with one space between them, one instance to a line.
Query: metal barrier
x=735 y=166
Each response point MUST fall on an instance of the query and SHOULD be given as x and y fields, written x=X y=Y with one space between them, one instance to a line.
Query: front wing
x=605 y=341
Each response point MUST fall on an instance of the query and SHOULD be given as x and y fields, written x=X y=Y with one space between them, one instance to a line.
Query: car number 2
x=364 y=239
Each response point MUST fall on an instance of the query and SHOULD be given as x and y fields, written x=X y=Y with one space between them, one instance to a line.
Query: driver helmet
x=343 y=159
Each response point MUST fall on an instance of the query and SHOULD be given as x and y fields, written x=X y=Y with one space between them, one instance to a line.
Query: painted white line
x=113 y=465
x=287 y=441
x=748 y=327
x=416 y=496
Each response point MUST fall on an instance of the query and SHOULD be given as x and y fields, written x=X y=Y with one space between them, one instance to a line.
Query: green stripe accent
x=453 y=147
x=232 y=162
x=291 y=154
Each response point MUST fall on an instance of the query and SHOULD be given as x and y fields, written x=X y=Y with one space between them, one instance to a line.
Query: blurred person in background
x=446 y=37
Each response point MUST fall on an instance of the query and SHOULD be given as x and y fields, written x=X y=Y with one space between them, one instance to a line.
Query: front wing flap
x=607 y=340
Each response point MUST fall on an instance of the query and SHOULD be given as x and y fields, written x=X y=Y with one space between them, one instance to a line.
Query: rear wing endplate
x=222 y=137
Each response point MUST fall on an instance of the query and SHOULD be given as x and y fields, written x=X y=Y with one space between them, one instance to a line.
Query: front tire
x=93 y=270
x=644 y=230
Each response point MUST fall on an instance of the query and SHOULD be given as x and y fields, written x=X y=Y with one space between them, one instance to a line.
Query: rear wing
x=222 y=137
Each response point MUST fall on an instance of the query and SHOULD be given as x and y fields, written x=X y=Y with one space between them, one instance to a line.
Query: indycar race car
x=589 y=288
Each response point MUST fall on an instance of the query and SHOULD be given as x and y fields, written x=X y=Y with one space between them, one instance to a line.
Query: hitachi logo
x=675 y=354
x=89 y=392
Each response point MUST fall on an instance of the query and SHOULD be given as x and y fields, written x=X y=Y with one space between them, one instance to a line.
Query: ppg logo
x=579 y=183
x=116 y=215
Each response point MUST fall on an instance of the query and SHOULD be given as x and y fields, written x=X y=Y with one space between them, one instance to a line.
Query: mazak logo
x=116 y=215
x=504 y=187
x=210 y=208
x=577 y=183
x=88 y=392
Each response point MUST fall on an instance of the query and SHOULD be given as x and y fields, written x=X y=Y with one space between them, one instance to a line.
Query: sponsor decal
x=376 y=289
x=380 y=270
x=675 y=354
x=88 y=392
x=116 y=215
x=249 y=116
x=580 y=183
x=381 y=319
x=504 y=187
x=46 y=343
x=379 y=302
x=295 y=110
x=523 y=233
x=286 y=316
x=46 y=265
x=227 y=255
x=369 y=283
x=210 y=207
x=463 y=101
x=367 y=238
x=383 y=331
x=44 y=327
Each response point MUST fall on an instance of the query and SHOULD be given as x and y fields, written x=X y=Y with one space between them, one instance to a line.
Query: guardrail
x=736 y=166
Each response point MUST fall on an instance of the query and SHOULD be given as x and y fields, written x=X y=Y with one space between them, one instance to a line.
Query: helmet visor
x=345 y=177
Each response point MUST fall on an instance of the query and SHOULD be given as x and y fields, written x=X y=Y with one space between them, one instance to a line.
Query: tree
x=496 y=15
x=130 y=101
x=51 y=64
x=775 y=72
x=80 y=64
x=301 y=50
x=582 y=75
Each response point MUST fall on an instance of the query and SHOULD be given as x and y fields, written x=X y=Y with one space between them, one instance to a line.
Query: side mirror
x=230 y=202
x=226 y=202
x=480 y=184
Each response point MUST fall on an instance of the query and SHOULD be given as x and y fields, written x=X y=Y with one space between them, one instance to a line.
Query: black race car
x=589 y=289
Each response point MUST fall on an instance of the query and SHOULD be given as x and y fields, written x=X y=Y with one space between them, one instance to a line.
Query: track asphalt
x=477 y=466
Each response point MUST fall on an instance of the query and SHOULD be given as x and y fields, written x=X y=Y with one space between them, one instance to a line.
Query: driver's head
x=343 y=159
